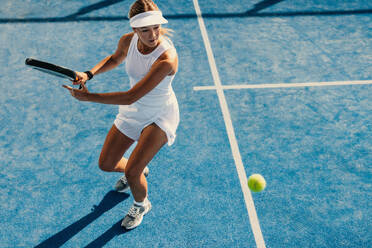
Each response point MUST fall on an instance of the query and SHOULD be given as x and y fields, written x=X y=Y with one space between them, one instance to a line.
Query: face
x=149 y=35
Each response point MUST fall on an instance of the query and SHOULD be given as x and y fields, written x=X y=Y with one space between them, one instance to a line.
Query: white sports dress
x=159 y=106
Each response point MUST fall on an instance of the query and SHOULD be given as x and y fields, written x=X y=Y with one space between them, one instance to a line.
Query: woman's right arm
x=110 y=62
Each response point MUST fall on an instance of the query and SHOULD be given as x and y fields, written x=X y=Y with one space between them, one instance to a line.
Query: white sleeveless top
x=157 y=106
x=138 y=65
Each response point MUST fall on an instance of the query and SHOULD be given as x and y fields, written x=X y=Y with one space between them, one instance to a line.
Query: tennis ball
x=256 y=182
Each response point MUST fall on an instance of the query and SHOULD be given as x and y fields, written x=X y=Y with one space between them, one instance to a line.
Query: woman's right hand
x=82 y=78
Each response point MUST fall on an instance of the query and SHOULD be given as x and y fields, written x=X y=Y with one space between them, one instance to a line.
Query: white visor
x=147 y=18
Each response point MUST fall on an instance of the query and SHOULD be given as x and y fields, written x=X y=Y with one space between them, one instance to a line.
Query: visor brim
x=148 y=21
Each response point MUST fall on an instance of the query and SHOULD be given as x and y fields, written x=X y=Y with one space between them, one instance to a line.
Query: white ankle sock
x=141 y=203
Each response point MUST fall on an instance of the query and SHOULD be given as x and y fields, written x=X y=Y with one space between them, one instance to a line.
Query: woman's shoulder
x=170 y=58
x=167 y=42
x=126 y=39
x=169 y=54
x=170 y=49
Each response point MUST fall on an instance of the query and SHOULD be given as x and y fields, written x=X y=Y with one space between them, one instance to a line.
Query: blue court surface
x=280 y=88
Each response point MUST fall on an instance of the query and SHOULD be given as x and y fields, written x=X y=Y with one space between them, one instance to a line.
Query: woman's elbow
x=129 y=99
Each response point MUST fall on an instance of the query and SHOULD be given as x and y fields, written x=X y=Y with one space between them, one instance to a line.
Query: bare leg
x=151 y=141
x=116 y=144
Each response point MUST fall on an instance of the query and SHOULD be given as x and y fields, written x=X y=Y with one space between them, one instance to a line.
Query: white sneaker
x=135 y=215
x=122 y=184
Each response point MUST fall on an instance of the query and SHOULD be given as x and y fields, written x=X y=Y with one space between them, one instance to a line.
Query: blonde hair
x=141 y=6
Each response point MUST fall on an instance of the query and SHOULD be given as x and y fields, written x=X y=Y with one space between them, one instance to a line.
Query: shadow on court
x=93 y=7
x=111 y=233
x=247 y=14
x=253 y=12
x=109 y=201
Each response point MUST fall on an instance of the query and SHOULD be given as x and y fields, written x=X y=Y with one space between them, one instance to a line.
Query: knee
x=132 y=173
x=105 y=165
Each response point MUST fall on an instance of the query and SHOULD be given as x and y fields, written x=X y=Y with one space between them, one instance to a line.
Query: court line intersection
x=219 y=88
x=256 y=229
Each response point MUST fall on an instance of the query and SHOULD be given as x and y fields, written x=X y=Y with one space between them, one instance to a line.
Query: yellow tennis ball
x=256 y=183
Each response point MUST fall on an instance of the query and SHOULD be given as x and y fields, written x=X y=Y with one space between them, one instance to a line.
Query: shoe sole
x=123 y=190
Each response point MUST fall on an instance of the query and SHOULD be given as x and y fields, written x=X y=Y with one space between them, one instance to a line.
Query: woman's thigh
x=114 y=147
x=152 y=139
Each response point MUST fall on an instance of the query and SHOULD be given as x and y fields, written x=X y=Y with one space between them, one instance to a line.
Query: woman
x=148 y=112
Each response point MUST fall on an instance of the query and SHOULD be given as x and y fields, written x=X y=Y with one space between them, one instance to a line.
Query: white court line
x=231 y=134
x=289 y=85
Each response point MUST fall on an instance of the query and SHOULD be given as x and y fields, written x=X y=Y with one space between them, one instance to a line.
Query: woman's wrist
x=89 y=74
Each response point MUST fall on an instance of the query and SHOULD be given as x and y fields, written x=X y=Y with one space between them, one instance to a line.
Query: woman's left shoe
x=135 y=215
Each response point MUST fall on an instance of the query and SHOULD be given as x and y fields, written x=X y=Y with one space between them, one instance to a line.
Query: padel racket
x=50 y=68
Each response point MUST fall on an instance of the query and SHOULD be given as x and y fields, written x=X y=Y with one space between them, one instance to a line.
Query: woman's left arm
x=165 y=65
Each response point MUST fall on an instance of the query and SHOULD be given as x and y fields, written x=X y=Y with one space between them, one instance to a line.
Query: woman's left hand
x=80 y=94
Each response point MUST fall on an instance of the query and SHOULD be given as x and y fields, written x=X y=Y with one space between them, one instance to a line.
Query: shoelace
x=134 y=211
x=124 y=180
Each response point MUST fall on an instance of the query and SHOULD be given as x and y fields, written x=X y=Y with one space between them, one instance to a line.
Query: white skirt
x=132 y=119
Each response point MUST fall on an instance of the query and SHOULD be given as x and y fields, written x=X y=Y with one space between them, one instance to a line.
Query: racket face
x=52 y=69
